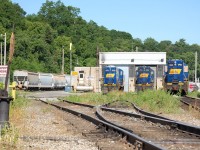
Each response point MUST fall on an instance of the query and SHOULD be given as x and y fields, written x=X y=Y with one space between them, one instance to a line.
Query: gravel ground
x=189 y=117
x=45 y=127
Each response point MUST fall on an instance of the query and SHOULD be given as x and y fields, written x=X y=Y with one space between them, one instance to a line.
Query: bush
x=194 y=94
x=198 y=94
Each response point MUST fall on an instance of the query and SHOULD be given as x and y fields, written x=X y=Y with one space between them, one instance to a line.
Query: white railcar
x=33 y=80
x=20 y=77
x=46 y=81
x=59 y=81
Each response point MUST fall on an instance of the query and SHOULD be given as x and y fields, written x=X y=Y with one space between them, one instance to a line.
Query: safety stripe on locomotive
x=175 y=71
x=110 y=75
x=143 y=75
x=109 y=84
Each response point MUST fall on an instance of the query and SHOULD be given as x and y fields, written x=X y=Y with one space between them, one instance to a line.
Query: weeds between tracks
x=150 y=100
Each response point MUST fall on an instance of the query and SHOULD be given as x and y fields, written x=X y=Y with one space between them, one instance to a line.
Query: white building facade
x=129 y=61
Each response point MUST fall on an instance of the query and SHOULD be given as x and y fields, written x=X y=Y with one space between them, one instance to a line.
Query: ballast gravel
x=47 y=128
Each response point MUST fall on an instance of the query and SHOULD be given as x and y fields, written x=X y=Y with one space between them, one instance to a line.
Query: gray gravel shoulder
x=45 y=127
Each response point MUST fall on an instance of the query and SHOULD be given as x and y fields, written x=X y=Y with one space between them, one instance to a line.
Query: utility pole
x=4 y=47
x=70 y=48
x=97 y=54
x=1 y=53
x=136 y=49
x=132 y=45
x=62 y=71
x=195 y=67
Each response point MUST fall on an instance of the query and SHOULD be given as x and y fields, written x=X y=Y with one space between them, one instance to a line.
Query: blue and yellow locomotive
x=113 y=79
x=144 y=78
x=176 y=77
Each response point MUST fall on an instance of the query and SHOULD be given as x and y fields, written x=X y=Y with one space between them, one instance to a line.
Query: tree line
x=41 y=37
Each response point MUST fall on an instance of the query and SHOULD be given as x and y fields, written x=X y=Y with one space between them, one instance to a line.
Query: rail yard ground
x=35 y=125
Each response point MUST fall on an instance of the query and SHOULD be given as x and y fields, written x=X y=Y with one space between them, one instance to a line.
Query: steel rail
x=194 y=130
x=139 y=110
x=133 y=139
x=80 y=104
x=189 y=104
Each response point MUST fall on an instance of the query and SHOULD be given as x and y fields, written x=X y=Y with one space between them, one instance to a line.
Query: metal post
x=70 y=64
x=5 y=49
x=132 y=45
x=1 y=53
x=195 y=67
x=62 y=71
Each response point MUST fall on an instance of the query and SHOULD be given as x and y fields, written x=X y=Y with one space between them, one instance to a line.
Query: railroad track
x=192 y=102
x=164 y=132
x=138 y=110
x=180 y=133
x=117 y=132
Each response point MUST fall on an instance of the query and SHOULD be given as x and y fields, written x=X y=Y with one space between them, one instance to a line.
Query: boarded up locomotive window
x=160 y=71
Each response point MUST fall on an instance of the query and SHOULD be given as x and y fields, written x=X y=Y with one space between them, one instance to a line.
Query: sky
x=158 y=19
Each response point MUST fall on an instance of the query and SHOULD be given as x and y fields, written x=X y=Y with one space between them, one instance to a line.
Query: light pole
x=1 y=53
x=62 y=71
x=70 y=64
x=195 y=78
x=4 y=47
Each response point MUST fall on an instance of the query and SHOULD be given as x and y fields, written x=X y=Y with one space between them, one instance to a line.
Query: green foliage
x=9 y=137
x=194 y=94
x=1 y=85
x=19 y=102
x=150 y=100
x=157 y=101
x=40 y=38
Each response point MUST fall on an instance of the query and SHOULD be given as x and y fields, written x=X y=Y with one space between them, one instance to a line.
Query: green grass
x=150 y=100
x=194 y=94
x=157 y=101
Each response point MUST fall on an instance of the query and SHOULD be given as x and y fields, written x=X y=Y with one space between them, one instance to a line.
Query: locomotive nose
x=175 y=78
